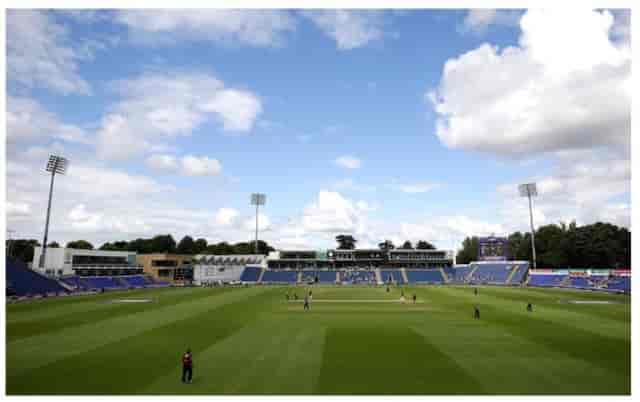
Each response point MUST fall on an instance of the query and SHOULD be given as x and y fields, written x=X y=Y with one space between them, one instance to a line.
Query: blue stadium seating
x=134 y=281
x=351 y=276
x=620 y=283
x=102 y=282
x=518 y=277
x=491 y=273
x=323 y=276
x=579 y=282
x=271 y=276
x=546 y=280
x=424 y=276
x=250 y=274
x=24 y=281
x=394 y=274
x=75 y=282
x=460 y=274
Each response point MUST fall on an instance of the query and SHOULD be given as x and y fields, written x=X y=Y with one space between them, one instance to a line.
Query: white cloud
x=479 y=20
x=157 y=107
x=559 y=89
x=350 y=29
x=18 y=209
x=200 y=166
x=251 y=27
x=348 y=162
x=333 y=213
x=39 y=53
x=416 y=188
x=188 y=165
x=27 y=121
x=163 y=162
x=226 y=216
x=238 y=109
x=585 y=189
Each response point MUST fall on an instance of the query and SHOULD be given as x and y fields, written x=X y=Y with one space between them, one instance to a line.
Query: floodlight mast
x=530 y=190
x=257 y=199
x=56 y=164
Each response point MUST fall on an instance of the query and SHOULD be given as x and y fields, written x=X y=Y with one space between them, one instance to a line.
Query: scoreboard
x=493 y=248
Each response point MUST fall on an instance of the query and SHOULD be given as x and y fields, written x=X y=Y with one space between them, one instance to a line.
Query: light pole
x=530 y=190
x=56 y=164
x=257 y=199
x=10 y=232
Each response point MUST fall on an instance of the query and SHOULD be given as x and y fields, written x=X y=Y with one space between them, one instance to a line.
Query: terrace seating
x=579 y=282
x=424 y=276
x=546 y=280
x=102 y=282
x=353 y=276
x=134 y=281
x=250 y=274
x=75 y=282
x=622 y=283
x=272 y=276
x=25 y=281
x=391 y=275
x=491 y=273
x=323 y=276
x=459 y=274
x=521 y=270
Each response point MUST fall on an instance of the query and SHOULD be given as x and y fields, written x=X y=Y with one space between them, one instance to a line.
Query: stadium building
x=69 y=261
x=172 y=268
x=211 y=269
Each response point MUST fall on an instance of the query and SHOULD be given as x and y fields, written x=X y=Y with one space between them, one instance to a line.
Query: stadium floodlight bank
x=257 y=199
x=530 y=190
x=56 y=164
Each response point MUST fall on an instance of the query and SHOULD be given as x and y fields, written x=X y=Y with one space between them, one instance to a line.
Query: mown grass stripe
x=127 y=360
x=354 y=361
x=94 y=314
x=36 y=351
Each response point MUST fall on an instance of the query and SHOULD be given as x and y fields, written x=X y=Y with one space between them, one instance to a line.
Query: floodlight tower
x=257 y=199
x=530 y=190
x=56 y=164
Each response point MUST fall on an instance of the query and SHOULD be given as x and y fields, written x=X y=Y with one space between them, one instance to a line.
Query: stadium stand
x=391 y=275
x=102 y=282
x=271 y=276
x=424 y=276
x=250 y=274
x=460 y=273
x=355 y=276
x=134 y=281
x=323 y=276
x=26 y=282
x=620 y=283
x=519 y=274
x=546 y=280
x=496 y=273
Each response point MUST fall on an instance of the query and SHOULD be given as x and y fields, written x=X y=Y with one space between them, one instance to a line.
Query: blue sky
x=400 y=125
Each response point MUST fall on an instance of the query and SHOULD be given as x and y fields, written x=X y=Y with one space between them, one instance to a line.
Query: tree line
x=598 y=245
x=348 y=242
x=22 y=249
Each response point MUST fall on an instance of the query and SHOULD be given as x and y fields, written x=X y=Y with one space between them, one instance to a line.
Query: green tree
x=469 y=251
x=386 y=245
x=80 y=244
x=53 y=244
x=407 y=245
x=200 y=246
x=186 y=246
x=21 y=249
x=163 y=244
x=425 y=245
x=346 y=242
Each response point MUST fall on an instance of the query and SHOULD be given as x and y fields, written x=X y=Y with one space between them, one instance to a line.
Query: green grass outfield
x=355 y=340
